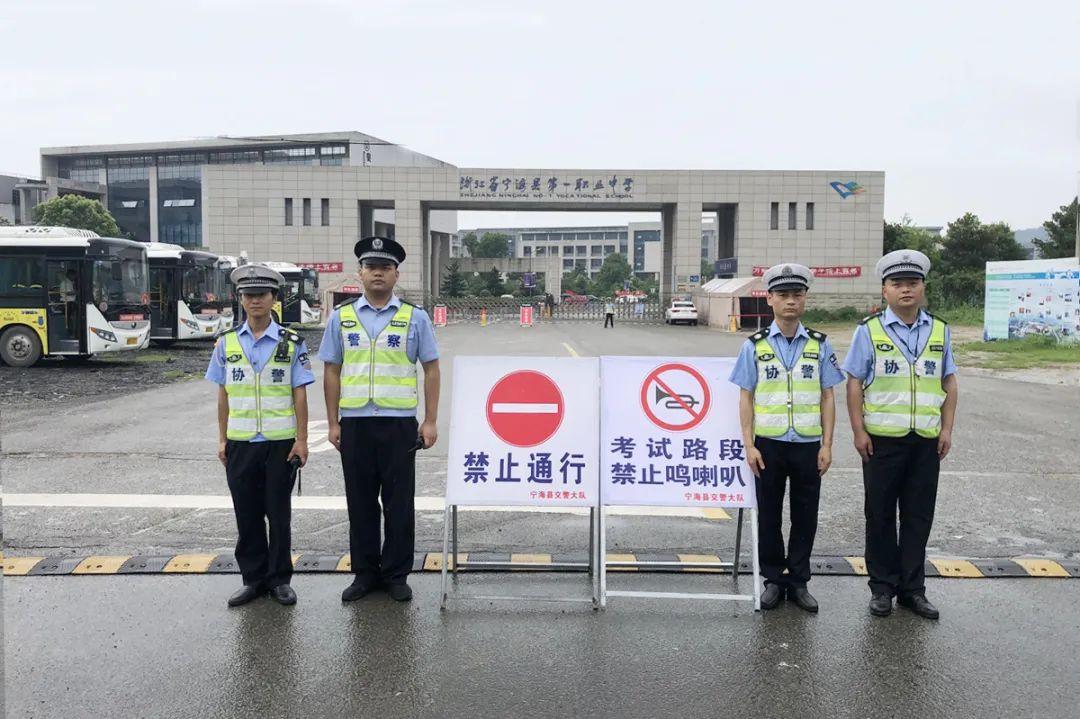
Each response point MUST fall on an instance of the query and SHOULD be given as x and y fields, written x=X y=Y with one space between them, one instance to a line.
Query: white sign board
x=1033 y=297
x=524 y=432
x=670 y=435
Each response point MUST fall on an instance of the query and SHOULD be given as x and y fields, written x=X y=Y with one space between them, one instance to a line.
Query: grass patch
x=1019 y=354
x=960 y=314
x=824 y=316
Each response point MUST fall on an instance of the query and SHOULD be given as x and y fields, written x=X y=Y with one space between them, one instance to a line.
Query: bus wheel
x=20 y=347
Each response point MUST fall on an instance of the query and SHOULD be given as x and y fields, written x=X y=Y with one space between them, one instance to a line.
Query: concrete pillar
x=153 y=204
x=437 y=261
x=409 y=230
x=667 y=251
x=687 y=254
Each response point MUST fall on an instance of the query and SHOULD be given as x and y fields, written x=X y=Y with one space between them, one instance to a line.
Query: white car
x=681 y=311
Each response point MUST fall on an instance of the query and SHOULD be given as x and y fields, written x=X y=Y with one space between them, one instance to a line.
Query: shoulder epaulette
x=344 y=302
x=935 y=317
x=866 y=319
x=814 y=334
x=759 y=335
x=287 y=334
x=412 y=304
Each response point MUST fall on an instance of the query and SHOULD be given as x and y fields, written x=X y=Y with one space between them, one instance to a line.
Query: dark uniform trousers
x=261 y=482
x=376 y=461
x=796 y=461
x=902 y=471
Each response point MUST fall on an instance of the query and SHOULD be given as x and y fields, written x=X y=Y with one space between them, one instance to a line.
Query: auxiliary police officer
x=787 y=412
x=262 y=370
x=370 y=349
x=901 y=395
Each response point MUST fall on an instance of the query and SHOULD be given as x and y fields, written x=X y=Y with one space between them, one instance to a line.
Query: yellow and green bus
x=70 y=293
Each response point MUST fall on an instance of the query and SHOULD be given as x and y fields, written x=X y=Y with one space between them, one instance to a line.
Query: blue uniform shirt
x=419 y=345
x=258 y=352
x=745 y=373
x=859 y=362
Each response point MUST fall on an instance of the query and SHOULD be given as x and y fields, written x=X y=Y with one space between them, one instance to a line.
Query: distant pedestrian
x=609 y=314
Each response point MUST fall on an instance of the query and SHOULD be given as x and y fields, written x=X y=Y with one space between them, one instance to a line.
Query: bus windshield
x=199 y=286
x=223 y=287
x=311 y=287
x=119 y=281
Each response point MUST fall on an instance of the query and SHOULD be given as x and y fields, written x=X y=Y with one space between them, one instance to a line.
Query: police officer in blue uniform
x=370 y=349
x=902 y=436
x=786 y=373
x=262 y=426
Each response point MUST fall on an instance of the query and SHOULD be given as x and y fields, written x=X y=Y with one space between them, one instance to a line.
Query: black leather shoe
x=919 y=604
x=283 y=594
x=881 y=605
x=358 y=589
x=399 y=592
x=772 y=596
x=245 y=594
x=803 y=598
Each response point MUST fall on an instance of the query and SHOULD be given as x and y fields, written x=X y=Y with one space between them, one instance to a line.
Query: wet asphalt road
x=1011 y=486
x=169 y=647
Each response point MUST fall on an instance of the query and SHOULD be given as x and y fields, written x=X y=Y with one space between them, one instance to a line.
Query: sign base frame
x=733 y=565
x=450 y=549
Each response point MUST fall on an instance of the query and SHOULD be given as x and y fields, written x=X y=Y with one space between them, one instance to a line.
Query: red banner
x=439 y=317
x=526 y=315
x=323 y=266
x=350 y=289
x=826 y=271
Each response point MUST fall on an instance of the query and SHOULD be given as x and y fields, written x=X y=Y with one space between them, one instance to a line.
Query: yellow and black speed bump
x=206 y=563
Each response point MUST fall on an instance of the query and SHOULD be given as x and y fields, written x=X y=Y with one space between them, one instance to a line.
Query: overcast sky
x=964 y=105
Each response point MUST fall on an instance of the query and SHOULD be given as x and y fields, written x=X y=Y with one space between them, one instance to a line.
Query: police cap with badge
x=255 y=279
x=787 y=276
x=903 y=264
x=379 y=249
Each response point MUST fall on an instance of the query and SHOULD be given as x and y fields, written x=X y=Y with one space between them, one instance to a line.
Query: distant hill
x=1025 y=237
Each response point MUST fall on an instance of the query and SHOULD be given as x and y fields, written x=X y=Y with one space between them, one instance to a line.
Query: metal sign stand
x=734 y=565
x=450 y=549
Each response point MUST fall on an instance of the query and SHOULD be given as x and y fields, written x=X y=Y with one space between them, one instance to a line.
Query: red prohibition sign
x=664 y=388
x=525 y=408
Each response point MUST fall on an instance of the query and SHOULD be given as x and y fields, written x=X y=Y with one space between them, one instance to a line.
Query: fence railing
x=469 y=309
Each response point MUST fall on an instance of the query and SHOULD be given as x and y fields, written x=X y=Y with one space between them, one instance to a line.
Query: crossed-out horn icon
x=687 y=399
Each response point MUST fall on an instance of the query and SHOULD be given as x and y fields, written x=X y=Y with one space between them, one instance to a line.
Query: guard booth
x=739 y=299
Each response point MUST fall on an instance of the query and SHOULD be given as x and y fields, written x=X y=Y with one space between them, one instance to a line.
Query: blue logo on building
x=847 y=189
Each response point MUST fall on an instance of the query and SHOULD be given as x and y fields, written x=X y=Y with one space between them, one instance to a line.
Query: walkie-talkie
x=295 y=463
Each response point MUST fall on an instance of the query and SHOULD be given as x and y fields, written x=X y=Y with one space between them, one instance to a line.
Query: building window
x=290 y=155
x=332 y=155
x=288 y=211
x=596 y=263
x=541 y=252
x=791 y=215
x=809 y=215
x=83 y=169
x=609 y=249
x=582 y=250
x=234 y=158
x=622 y=247
x=774 y=216
x=526 y=251
x=307 y=211
x=324 y=206
x=597 y=249
x=568 y=264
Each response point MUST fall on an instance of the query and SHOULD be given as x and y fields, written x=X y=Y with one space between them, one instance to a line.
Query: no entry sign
x=675 y=397
x=525 y=408
x=524 y=432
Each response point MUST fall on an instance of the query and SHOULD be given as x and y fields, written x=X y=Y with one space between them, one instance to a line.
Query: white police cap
x=255 y=278
x=900 y=264
x=787 y=276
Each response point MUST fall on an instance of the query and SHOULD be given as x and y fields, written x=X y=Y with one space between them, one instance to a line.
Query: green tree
x=492 y=283
x=576 y=280
x=1061 y=233
x=454 y=284
x=469 y=241
x=613 y=273
x=493 y=245
x=708 y=271
x=903 y=235
x=78 y=212
x=969 y=245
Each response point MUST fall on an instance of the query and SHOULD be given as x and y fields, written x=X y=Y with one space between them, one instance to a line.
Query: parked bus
x=184 y=301
x=70 y=293
x=298 y=299
x=225 y=290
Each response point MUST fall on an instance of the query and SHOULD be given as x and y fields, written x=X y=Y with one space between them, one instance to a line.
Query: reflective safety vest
x=260 y=402
x=377 y=369
x=904 y=396
x=787 y=399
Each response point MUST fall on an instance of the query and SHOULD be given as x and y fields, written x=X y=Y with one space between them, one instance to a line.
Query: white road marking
x=524 y=408
x=323 y=502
